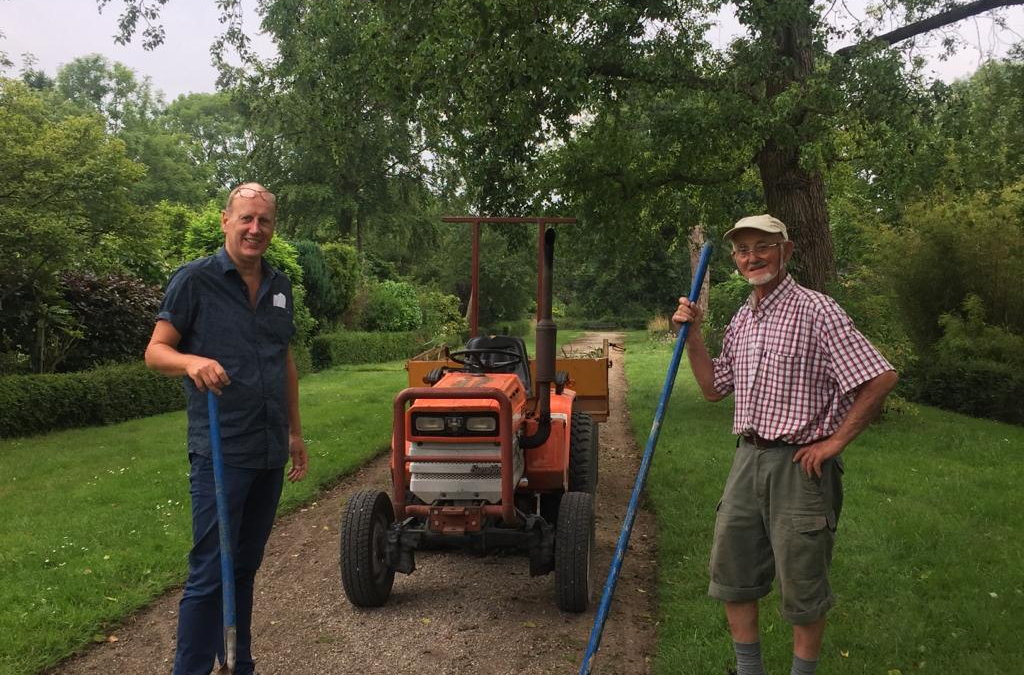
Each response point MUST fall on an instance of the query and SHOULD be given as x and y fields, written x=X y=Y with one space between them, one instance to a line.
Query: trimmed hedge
x=977 y=389
x=32 y=404
x=333 y=349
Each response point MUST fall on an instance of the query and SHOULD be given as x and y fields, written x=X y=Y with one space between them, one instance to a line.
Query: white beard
x=762 y=279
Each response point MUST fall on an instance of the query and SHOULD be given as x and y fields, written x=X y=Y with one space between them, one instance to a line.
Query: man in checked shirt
x=806 y=384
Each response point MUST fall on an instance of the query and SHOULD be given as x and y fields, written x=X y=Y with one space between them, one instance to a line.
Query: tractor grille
x=433 y=481
x=476 y=472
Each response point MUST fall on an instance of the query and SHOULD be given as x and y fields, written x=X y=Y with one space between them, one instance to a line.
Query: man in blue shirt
x=224 y=326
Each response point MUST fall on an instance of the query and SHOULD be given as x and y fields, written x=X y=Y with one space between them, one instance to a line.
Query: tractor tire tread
x=583 y=451
x=574 y=543
x=356 y=555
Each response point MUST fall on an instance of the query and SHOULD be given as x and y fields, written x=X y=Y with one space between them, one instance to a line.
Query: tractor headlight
x=481 y=423
x=427 y=423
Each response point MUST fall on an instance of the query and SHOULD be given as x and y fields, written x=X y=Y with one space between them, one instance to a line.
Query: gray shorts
x=775 y=521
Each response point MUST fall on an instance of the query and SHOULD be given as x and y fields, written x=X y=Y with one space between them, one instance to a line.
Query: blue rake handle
x=641 y=479
x=227 y=563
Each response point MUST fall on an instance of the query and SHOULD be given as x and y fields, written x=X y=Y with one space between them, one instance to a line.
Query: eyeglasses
x=759 y=250
x=251 y=193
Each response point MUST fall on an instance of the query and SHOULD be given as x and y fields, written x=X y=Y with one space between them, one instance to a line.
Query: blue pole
x=227 y=563
x=641 y=478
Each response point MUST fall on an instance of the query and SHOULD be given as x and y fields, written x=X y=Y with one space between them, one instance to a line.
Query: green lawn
x=929 y=556
x=96 y=521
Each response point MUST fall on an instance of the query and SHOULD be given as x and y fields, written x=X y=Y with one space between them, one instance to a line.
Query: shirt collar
x=226 y=265
x=784 y=288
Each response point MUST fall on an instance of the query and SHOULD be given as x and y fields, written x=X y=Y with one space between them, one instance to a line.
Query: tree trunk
x=794 y=195
x=797 y=198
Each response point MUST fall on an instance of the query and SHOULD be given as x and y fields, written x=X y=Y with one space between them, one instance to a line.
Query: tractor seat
x=507 y=343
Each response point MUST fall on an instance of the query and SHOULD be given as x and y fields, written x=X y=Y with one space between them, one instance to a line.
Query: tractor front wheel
x=574 y=550
x=365 y=574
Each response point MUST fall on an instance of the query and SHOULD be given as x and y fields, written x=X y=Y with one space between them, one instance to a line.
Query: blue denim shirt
x=207 y=302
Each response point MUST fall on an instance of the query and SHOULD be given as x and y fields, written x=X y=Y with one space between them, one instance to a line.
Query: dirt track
x=457 y=614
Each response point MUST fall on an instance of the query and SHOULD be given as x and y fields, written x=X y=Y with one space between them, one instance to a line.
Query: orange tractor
x=495 y=452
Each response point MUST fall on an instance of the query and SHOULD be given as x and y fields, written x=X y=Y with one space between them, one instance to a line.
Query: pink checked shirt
x=793 y=360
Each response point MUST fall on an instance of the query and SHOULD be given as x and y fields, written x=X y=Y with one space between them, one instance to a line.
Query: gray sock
x=801 y=667
x=748 y=658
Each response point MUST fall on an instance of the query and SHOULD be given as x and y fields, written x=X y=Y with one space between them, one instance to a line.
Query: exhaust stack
x=546 y=335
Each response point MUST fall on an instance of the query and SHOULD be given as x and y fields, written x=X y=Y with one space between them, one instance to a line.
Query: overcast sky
x=58 y=31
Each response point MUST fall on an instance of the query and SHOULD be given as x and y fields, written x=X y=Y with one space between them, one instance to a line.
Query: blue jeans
x=252 y=501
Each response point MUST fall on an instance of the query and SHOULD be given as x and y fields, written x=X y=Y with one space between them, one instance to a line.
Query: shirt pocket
x=783 y=374
x=278 y=326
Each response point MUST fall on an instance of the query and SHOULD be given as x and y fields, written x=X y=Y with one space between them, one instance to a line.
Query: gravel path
x=457 y=614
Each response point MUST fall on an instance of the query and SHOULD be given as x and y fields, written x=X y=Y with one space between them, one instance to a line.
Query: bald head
x=250 y=191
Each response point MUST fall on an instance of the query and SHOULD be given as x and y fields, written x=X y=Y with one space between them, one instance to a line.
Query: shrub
x=116 y=312
x=725 y=300
x=392 y=306
x=15 y=363
x=333 y=349
x=342 y=263
x=31 y=404
x=975 y=368
x=442 y=320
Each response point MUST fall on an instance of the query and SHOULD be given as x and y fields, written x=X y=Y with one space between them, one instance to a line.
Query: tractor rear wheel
x=583 y=444
x=365 y=573
x=574 y=551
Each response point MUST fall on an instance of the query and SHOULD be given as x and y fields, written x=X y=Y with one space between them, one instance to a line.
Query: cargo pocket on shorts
x=810 y=548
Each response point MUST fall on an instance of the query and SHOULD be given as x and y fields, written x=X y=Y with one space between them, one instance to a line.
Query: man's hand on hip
x=813 y=455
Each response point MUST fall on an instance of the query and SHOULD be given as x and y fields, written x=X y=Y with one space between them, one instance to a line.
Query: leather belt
x=763 y=443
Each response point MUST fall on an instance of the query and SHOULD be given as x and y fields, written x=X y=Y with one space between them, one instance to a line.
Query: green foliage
x=216 y=126
x=342 y=261
x=170 y=221
x=975 y=368
x=116 y=313
x=951 y=246
x=392 y=306
x=725 y=300
x=970 y=338
x=442 y=320
x=508 y=271
x=32 y=404
x=65 y=205
x=330 y=275
x=333 y=349
x=132 y=111
x=321 y=294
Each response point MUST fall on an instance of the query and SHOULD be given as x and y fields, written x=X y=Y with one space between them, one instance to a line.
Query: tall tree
x=63 y=201
x=133 y=111
x=497 y=81
x=220 y=138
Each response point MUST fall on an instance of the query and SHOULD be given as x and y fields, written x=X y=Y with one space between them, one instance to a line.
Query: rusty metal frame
x=474 y=294
x=506 y=510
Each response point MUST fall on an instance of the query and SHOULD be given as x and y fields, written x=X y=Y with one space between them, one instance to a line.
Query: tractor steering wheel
x=473 y=359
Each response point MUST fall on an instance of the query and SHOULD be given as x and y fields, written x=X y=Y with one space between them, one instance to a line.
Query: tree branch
x=957 y=13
